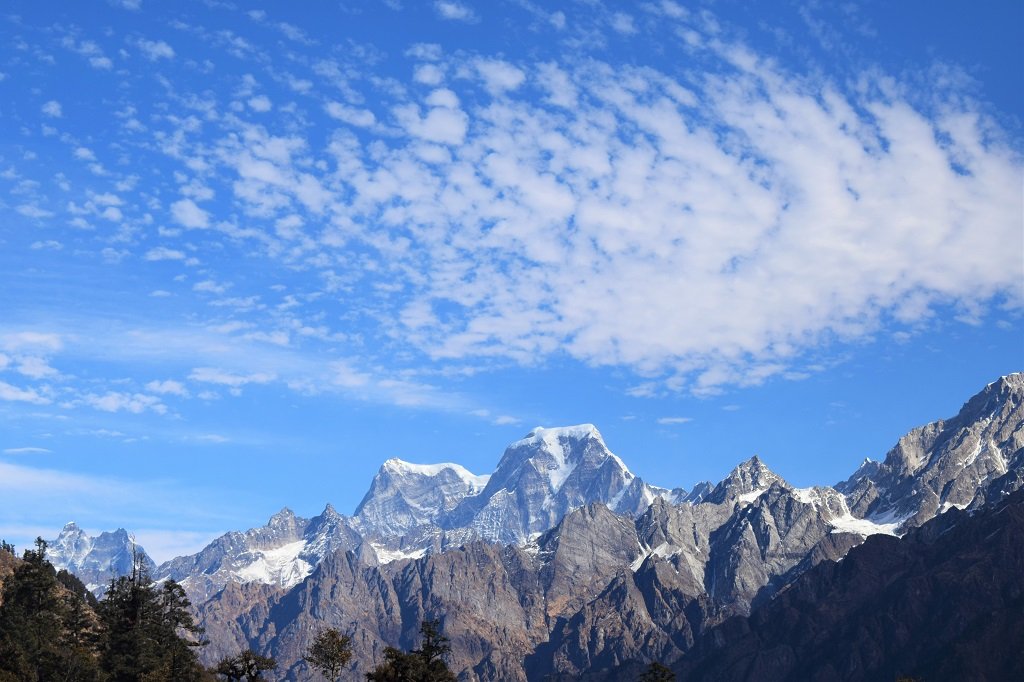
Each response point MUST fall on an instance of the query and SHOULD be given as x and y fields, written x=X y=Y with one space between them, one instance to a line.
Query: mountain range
x=561 y=562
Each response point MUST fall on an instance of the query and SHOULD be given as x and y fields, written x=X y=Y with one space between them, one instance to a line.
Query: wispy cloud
x=27 y=451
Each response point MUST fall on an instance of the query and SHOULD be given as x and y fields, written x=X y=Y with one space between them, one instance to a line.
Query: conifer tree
x=425 y=664
x=330 y=652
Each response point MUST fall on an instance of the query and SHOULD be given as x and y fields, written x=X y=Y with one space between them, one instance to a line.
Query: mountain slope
x=948 y=463
x=943 y=602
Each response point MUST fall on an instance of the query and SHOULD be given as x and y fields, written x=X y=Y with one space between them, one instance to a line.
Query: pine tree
x=45 y=630
x=247 y=665
x=657 y=672
x=330 y=652
x=425 y=664
x=150 y=634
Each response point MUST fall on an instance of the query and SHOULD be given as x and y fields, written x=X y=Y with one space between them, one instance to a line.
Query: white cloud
x=260 y=103
x=210 y=286
x=362 y=118
x=167 y=387
x=155 y=49
x=114 y=401
x=34 y=367
x=499 y=76
x=188 y=214
x=213 y=375
x=27 y=451
x=24 y=395
x=52 y=109
x=668 y=421
x=164 y=253
x=34 y=341
x=623 y=23
x=454 y=11
x=33 y=211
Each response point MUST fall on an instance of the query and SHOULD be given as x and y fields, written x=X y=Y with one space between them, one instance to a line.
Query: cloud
x=135 y=403
x=167 y=387
x=24 y=395
x=35 y=341
x=362 y=118
x=33 y=211
x=52 y=109
x=210 y=286
x=499 y=76
x=212 y=375
x=188 y=214
x=155 y=49
x=27 y=451
x=260 y=103
x=668 y=421
x=164 y=253
x=454 y=11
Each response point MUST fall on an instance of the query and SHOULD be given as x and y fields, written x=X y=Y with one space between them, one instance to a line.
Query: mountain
x=945 y=464
x=404 y=496
x=942 y=603
x=96 y=559
x=281 y=553
x=562 y=563
x=545 y=475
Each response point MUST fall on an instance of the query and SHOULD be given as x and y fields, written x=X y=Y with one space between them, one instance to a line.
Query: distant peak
x=70 y=527
x=329 y=510
x=578 y=432
x=282 y=516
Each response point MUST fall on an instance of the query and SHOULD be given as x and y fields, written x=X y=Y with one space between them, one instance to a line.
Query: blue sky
x=250 y=252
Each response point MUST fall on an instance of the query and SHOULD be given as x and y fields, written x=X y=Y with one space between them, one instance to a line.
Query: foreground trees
x=330 y=652
x=50 y=630
x=425 y=664
x=247 y=665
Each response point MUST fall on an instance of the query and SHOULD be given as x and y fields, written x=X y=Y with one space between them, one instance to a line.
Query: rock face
x=948 y=463
x=96 y=559
x=942 y=603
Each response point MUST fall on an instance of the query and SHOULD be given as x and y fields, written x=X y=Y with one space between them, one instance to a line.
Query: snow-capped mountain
x=404 y=496
x=281 y=553
x=957 y=462
x=545 y=475
x=96 y=559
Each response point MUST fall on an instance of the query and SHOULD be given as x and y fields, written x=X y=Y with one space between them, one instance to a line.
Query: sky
x=248 y=252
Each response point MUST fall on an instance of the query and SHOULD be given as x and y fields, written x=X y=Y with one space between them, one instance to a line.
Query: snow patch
x=748 y=498
x=806 y=495
x=386 y=556
x=281 y=566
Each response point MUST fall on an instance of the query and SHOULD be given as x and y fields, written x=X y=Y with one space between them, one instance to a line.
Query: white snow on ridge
x=848 y=523
x=402 y=467
x=281 y=566
x=386 y=556
x=748 y=498
x=552 y=435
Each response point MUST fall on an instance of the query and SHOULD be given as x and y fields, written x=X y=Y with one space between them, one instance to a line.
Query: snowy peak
x=546 y=474
x=948 y=463
x=404 y=496
x=556 y=453
x=745 y=482
x=95 y=559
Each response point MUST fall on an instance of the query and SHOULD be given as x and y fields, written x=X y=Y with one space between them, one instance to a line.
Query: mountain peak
x=284 y=517
x=578 y=432
x=71 y=527
x=749 y=477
